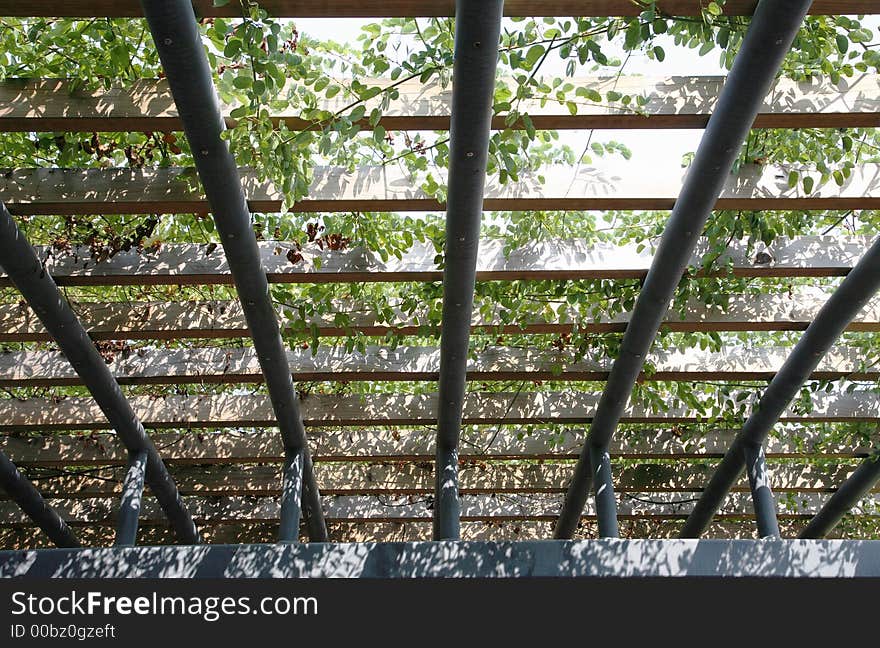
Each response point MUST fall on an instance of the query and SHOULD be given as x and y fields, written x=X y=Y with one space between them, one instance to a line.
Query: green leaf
x=592 y=95
x=357 y=113
x=808 y=184
x=534 y=54
x=530 y=126
x=633 y=36
x=233 y=48
x=243 y=81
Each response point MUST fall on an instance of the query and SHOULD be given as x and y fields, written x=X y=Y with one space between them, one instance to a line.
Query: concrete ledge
x=591 y=558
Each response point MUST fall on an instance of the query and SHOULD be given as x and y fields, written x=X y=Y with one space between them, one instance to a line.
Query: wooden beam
x=413 y=8
x=486 y=530
x=225 y=365
x=232 y=410
x=358 y=508
x=672 y=102
x=284 y=262
x=224 y=319
x=417 y=479
x=372 y=445
x=335 y=189
x=17 y=537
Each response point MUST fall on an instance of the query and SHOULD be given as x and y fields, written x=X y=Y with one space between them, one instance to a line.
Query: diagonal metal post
x=835 y=315
x=477 y=32
x=769 y=37
x=24 y=493
x=762 y=496
x=291 y=494
x=132 y=494
x=24 y=269
x=854 y=488
x=176 y=35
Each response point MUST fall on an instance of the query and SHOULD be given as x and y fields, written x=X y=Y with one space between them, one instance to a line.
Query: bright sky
x=644 y=144
x=649 y=147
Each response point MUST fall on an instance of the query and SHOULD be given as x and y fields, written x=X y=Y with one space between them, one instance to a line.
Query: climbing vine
x=334 y=97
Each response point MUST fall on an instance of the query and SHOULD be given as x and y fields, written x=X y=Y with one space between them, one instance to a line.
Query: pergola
x=183 y=469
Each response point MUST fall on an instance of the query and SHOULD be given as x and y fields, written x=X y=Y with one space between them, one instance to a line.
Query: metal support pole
x=130 y=506
x=606 y=507
x=770 y=34
x=841 y=308
x=477 y=32
x=762 y=495
x=854 y=488
x=24 y=493
x=291 y=492
x=20 y=262
x=176 y=35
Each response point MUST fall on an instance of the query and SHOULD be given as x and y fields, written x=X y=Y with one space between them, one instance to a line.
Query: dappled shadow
x=677 y=101
x=788 y=558
x=789 y=103
x=609 y=558
x=770 y=186
x=143 y=104
x=382 y=188
x=807 y=256
x=856 y=94
x=108 y=191
x=568 y=407
x=552 y=186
